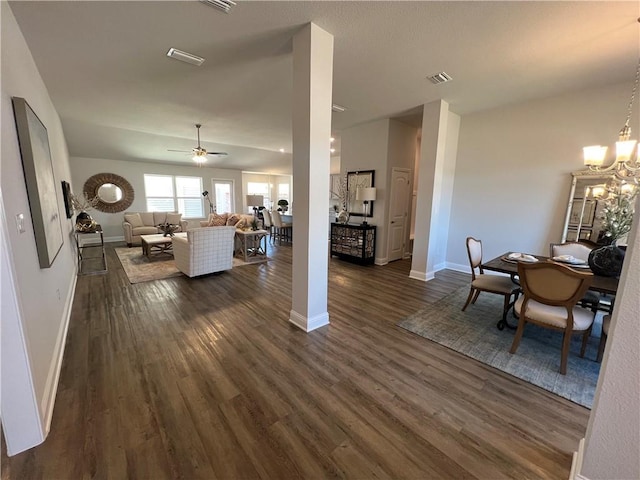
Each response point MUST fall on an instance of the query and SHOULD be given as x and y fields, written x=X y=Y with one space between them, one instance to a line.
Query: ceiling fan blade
x=219 y=154
x=181 y=151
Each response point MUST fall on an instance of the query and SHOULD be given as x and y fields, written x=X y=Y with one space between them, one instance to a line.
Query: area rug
x=537 y=360
x=140 y=268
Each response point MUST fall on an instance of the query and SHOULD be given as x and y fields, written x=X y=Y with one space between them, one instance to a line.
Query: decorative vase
x=84 y=222
x=342 y=217
x=607 y=261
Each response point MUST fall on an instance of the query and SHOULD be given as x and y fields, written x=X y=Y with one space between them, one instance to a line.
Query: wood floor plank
x=205 y=378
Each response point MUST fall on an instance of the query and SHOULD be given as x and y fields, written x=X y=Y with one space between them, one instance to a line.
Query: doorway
x=222 y=198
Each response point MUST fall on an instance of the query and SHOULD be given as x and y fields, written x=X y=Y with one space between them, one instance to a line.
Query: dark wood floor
x=205 y=378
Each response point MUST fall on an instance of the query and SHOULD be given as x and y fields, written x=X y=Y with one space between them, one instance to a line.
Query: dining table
x=503 y=264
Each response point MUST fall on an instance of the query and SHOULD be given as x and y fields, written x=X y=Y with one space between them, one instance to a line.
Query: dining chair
x=551 y=293
x=268 y=224
x=581 y=251
x=485 y=282
x=280 y=228
x=606 y=321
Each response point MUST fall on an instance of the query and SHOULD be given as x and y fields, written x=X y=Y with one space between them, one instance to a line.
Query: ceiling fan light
x=199 y=157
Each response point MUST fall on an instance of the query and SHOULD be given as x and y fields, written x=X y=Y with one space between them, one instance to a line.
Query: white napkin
x=569 y=259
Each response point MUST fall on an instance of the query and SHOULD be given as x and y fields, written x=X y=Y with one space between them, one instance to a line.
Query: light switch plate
x=20 y=222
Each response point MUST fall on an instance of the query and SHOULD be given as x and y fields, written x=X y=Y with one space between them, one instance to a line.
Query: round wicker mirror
x=101 y=183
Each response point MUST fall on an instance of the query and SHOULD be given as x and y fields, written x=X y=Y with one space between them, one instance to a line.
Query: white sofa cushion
x=134 y=219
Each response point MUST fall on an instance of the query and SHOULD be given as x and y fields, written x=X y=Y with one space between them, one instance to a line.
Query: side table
x=101 y=261
x=252 y=245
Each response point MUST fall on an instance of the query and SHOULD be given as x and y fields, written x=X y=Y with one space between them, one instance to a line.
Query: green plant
x=617 y=215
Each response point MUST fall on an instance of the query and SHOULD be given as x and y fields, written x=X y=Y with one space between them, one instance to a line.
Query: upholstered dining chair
x=281 y=229
x=606 y=321
x=551 y=294
x=268 y=224
x=484 y=282
x=581 y=251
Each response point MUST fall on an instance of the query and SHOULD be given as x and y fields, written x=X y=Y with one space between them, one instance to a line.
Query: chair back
x=474 y=251
x=266 y=218
x=552 y=283
x=277 y=219
x=578 y=250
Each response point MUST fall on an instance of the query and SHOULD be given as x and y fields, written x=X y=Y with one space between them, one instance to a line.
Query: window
x=166 y=193
x=258 y=188
x=223 y=196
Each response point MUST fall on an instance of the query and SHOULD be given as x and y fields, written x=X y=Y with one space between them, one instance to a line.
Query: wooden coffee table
x=157 y=244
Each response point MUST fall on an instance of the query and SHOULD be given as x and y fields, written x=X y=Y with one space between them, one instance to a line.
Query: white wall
x=513 y=168
x=133 y=172
x=33 y=332
x=613 y=434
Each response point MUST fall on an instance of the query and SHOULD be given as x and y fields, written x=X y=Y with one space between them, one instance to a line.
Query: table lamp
x=366 y=195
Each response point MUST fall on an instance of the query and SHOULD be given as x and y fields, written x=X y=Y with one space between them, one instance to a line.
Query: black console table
x=354 y=243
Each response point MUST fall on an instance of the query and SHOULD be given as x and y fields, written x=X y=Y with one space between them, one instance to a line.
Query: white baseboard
x=424 y=277
x=576 y=463
x=458 y=267
x=308 y=324
x=53 y=377
x=381 y=261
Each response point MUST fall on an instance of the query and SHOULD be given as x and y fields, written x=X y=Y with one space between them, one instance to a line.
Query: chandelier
x=626 y=166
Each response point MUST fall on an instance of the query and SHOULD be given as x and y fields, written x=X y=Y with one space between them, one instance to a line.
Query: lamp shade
x=366 y=194
x=255 y=200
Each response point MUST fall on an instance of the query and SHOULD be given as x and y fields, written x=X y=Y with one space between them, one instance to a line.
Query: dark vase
x=607 y=261
x=84 y=222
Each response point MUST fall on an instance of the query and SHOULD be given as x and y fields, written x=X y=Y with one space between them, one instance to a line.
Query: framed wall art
x=355 y=180
x=40 y=182
x=66 y=195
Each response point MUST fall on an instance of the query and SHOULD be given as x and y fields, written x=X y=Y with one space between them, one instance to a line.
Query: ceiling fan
x=199 y=153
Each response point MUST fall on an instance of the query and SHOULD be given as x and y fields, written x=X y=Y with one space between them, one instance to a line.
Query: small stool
x=603 y=336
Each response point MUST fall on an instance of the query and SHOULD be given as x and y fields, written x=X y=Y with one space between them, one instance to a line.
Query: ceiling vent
x=337 y=108
x=185 y=57
x=441 y=77
x=224 y=5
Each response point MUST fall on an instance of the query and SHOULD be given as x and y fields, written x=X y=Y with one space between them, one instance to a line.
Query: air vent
x=185 y=57
x=337 y=108
x=224 y=5
x=440 y=78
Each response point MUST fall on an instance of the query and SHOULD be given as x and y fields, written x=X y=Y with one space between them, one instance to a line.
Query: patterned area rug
x=139 y=268
x=537 y=361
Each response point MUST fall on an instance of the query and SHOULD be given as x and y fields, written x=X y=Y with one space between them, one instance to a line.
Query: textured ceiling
x=120 y=97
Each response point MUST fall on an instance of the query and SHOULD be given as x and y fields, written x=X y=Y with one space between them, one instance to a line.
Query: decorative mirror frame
x=360 y=178
x=570 y=234
x=94 y=182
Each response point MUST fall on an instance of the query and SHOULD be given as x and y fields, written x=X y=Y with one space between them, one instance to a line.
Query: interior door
x=400 y=193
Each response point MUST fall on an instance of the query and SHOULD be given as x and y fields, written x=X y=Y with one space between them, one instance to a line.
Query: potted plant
x=283 y=205
x=617 y=217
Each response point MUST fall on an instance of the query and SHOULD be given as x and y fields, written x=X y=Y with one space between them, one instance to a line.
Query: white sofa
x=136 y=224
x=204 y=250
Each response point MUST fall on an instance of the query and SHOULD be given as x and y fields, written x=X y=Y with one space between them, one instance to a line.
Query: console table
x=354 y=243
x=81 y=246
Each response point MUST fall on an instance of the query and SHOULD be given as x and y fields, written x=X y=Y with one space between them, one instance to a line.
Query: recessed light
x=332 y=150
x=337 y=108
x=224 y=5
x=282 y=150
x=332 y=139
x=185 y=57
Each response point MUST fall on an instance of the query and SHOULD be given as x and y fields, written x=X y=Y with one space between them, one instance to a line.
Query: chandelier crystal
x=626 y=166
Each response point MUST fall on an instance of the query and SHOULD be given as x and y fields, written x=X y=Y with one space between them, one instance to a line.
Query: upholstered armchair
x=204 y=250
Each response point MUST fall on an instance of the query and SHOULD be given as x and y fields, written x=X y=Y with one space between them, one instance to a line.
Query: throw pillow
x=134 y=219
x=216 y=220
x=174 y=218
x=233 y=219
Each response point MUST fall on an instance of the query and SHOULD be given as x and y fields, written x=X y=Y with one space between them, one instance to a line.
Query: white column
x=612 y=446
x=312 y=87
x=430 y=168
